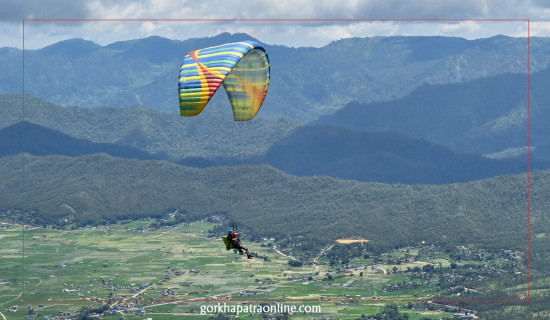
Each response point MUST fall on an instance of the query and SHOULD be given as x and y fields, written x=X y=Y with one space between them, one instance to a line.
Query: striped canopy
x=242 y=68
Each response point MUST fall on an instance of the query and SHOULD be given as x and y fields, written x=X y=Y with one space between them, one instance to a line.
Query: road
x=321 y=253
x=161 y=234
x=135 y=295
x=284 y=255
x=16 y=298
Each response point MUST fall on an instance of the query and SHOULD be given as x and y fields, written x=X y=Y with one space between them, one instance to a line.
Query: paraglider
x=242 y=68
x=233 y=241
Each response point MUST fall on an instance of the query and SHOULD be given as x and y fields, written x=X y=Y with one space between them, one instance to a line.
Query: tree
x=428 y=268
x=295 y=263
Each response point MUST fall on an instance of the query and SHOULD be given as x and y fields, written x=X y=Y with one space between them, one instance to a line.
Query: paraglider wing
x=242 y=68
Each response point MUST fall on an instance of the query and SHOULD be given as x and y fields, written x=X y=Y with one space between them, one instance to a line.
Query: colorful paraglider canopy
x=242 y=68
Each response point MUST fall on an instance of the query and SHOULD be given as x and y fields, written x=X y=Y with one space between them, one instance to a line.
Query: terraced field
x=177 y=270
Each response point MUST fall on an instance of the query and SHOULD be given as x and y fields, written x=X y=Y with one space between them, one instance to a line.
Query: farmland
x=130 y=269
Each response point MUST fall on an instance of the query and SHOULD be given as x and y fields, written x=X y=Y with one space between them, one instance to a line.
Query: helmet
x=229 y=230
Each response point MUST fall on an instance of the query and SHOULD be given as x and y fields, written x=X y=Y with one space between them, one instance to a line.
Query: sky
x=39 y=34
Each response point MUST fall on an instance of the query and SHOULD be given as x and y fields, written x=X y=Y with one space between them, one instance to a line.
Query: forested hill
x=305 y=82
x=388 y=157
x=96 y=188
x=142 y=133
x=212 y=135
x=483 y=116
x=43 y=141
x=215 y=139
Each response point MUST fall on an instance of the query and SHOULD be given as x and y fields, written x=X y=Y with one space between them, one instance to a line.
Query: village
x=131 y=269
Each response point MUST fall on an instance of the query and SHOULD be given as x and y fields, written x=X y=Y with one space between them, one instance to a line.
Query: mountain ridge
x=482 y=116
x=151 y=131
x=42 y=141
x=306 y=82
x=387 y=157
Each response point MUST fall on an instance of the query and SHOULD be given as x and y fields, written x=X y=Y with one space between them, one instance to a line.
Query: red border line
x=528 y=162
x=276 y=300
x=295 y=20
x=23 y=195
x=276 y=20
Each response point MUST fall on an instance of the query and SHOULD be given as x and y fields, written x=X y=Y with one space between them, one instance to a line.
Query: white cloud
x=327 y=33
x=463 y=27
x=539 y=29
x=149 y=28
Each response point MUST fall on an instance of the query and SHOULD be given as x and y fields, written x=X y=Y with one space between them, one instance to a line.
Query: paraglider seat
x=228 y=244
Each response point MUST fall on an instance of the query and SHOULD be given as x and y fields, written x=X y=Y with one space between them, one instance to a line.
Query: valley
x=138 y=271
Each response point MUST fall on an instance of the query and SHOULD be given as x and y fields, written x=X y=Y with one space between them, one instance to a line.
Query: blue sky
x=319 y=33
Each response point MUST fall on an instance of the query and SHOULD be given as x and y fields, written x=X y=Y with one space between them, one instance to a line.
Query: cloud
x=16 y=10
x=359 y=29
x=540 y=29
x=292 y=33
x=463 y=27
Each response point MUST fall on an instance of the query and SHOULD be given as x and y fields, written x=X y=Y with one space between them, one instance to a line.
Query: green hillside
x=43 y=141
x=269 y=203
x=211 y=135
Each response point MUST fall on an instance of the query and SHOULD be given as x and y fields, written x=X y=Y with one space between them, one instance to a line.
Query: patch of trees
x=390 y=312
x=295 y=263
x=86 y=312
x=344 y=253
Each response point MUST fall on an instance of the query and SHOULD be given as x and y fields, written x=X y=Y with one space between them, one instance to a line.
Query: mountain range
x=468 y=95
x=482 y=116
x=305 y=82
x=308 y=151
x=395 y=140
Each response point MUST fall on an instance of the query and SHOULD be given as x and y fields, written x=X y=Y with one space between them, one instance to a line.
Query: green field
x=146 y=271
